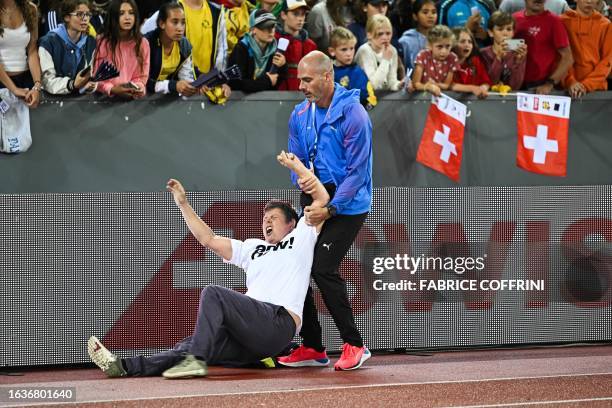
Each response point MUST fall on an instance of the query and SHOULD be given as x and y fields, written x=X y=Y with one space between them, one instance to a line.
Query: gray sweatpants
x=231 y=329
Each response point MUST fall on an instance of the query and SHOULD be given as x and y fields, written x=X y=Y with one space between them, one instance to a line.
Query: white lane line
x=521 y=404
x=340 y=387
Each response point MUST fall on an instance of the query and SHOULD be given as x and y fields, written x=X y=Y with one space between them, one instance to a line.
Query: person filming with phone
x=506 y=58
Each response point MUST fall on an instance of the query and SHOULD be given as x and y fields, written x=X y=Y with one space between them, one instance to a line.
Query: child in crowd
x=435 y=66
x=171 y=69
x=256 y=54
x=65 y=51
x=505 y=66
x=271 y=6
x=590 y=36
x=549 y=57
x=471 y=75
x=378 y=57
x=324 y=17
x=236 y=20
x=363 y=10
x=346 y=72
x=293 y=17
x=414 y=40
x=123 y=45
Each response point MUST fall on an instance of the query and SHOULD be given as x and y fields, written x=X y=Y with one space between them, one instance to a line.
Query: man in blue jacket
x=331 y=133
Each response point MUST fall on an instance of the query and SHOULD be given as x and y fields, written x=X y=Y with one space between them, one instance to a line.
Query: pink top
x=433 y=69
x=126 y=62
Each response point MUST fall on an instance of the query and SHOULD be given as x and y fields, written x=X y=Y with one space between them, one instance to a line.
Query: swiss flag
x=442 y=141
x=543 y=123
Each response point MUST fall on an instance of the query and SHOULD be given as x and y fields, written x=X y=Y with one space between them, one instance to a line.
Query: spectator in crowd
x=291 y=26
x=363 y=10
x=171 y=69
x=504 y=66
x=557 y=7
x=206 y=31
x=590 y=36
x=49 y=19
x=20 y=69
x=549 y=57
x=123 y=46
x=324 y=17
x=256 y=54
x=471 y=75
x=378 y=57
x=147 y=8
x=237 y=20
x=471 y=13
x=272 y=6
x=402 y=19
x=415 y=39
x=346 y=72
x=435 y=66
x=66 y=53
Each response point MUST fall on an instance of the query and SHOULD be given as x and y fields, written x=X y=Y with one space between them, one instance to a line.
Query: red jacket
x=472 y=74
x=298 y=47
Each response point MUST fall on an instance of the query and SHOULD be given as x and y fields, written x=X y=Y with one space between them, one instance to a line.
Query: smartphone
x=131 y=85
x=514 y=43
x=85 y=71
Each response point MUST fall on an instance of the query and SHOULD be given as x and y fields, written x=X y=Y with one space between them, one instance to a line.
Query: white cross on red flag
x=442 y=140
x=543 y=123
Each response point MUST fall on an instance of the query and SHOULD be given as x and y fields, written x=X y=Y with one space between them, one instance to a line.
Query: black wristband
x=332 y=210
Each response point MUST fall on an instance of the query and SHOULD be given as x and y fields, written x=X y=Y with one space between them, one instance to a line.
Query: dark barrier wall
x=124 y=267
x=81 y=145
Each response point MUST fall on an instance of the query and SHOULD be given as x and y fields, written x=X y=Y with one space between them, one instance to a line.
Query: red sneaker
x=352 y=357
x=305 y=357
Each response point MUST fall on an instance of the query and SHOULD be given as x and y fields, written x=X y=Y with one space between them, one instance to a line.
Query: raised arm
x=220 y=245
x=320 y=197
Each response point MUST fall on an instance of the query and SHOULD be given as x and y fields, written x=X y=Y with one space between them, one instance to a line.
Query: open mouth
x=268 y=231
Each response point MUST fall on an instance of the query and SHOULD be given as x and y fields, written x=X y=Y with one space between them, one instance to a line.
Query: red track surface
x=545 y=377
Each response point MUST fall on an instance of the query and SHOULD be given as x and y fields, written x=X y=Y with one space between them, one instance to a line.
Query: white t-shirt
x=278 y=274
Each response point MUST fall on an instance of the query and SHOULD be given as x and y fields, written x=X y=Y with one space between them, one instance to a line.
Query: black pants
x=334 y=241
x=232 y=329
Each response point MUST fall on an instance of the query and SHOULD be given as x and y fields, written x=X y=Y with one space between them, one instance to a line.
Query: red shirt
x=298 y=48
x=544 y=34
x=472 y=73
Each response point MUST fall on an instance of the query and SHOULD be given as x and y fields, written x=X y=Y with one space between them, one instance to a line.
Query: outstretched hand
x=178 y=191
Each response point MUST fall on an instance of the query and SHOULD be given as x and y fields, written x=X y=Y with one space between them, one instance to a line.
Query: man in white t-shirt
x=232 y=328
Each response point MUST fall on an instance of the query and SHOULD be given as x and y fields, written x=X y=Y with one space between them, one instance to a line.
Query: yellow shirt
x=237 y=24
x=200 y=34
x=170 y=62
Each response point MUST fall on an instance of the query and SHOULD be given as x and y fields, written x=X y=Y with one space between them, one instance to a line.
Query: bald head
x=317 y=62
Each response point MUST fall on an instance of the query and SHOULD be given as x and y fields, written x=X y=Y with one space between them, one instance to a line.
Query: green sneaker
x=268 y=362
x=189 y=367
x=107 y=361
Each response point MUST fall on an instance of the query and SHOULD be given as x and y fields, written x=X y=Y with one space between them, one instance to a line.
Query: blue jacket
x=412 y=42
x=68 y=58
x=455 y=13
x=343 y=146
x=354 y=77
